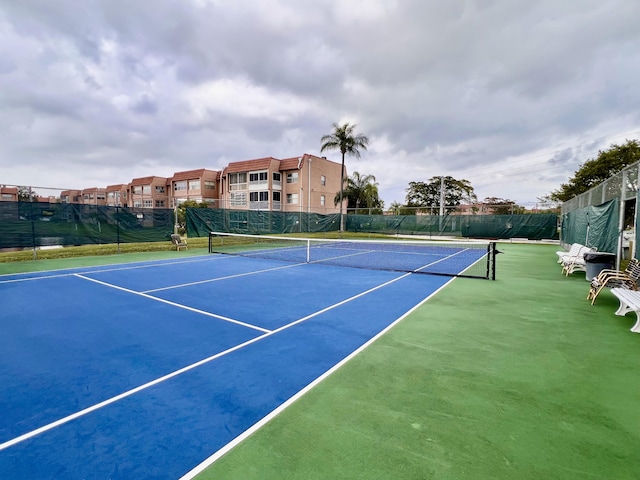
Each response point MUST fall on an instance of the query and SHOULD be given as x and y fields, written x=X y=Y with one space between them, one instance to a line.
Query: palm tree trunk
x=341 y=189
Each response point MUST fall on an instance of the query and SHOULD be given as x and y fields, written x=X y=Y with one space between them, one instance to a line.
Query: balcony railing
x=258 y=205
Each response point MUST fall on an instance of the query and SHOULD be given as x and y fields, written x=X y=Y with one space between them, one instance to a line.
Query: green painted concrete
x=520 y=378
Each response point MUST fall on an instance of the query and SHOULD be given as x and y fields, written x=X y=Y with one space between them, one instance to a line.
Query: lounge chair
x=615 y=279
x=572 y=252
x=178 y=242
x=576 y=262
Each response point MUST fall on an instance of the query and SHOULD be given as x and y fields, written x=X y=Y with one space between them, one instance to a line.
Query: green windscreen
x=200 y=221
x=594 y=226
x=32 y=224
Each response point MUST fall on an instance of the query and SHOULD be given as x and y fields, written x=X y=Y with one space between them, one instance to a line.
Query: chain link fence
x=605 y=216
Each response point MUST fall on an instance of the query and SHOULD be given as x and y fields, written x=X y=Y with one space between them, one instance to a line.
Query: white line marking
x=224 y=278
x=441 y=260
x=96 y=269
x=277 y=411
x=128 y=393
x=173 y=304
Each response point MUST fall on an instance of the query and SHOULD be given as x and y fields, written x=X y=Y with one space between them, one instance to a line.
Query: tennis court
x=152 y=370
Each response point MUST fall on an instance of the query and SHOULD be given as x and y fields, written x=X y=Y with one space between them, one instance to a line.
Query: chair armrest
x=602 y=276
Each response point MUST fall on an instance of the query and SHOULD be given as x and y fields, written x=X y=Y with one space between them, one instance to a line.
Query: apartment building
x=149 y=192
x=8 y=194
x=117 y=195
x=299 y=184
x=307 y=183
x=94 y=196
x=318 y=181
x=202 y=186
x=71 y=196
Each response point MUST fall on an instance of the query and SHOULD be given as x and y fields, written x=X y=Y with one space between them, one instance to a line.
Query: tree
x=344 y=139
x=597 y=170
x=361 y=191
x=181 y=213
x=421 y=194
x=26 y=195
x=398 y=208
x=502 y=206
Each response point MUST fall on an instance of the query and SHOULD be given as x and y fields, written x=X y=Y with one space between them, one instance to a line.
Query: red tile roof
x=290 y=164
x=146 y=180
x=250 y=165
x=192 y=174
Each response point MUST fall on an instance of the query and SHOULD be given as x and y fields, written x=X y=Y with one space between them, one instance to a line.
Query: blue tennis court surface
x=148 y=370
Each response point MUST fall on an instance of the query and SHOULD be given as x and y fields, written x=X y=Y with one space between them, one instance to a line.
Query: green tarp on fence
x=594 y=226
x=535 y=227
x=201 y=221
x=32 y=224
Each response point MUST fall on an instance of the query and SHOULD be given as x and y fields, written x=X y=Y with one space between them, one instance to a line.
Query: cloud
x=512 y=96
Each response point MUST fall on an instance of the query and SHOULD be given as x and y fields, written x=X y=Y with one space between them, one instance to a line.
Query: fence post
x=118 y=228
x=33 y=227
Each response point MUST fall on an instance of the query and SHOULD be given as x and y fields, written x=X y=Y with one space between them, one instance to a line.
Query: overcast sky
x=511 y=95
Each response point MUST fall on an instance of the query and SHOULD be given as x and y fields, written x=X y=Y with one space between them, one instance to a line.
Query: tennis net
x=451 y=258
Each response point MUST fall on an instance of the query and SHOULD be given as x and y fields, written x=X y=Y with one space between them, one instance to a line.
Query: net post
x=493 y=260
x=308 y=250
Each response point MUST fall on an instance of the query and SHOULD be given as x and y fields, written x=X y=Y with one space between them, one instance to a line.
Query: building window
x=238 y=199
x=194 y=185
x=322 y=200
x=159 y=188
x=137 y=204
x=136 y=190
x=259 y=200
x=276 y=196
x=148 y=204
x=259 y=196
x=258 y=178
x=178 y=186
x=237 y=181
x=277 y=178
x=146 y=189
x=159 y=203
x=292 y=178
x=208 y=185
x=292 y=198
x=323 y=180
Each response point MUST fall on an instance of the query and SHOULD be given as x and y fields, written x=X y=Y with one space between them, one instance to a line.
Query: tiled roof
x=146 y=180
x=250 y=165
x=290 y=164
x=115 y=187
x=192 y=174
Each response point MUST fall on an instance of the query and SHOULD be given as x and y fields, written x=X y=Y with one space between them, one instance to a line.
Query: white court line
x=399 y=252
x=277 y=411
x=97 y=270
x=223 y=278
x=443 y=259
x=128 y=393
x=161 y=300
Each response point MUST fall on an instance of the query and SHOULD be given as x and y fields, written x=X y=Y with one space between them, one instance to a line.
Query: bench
x=629 y=302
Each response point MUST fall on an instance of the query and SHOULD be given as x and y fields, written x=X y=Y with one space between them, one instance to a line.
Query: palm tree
x=361 y=191
x=343 y=138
